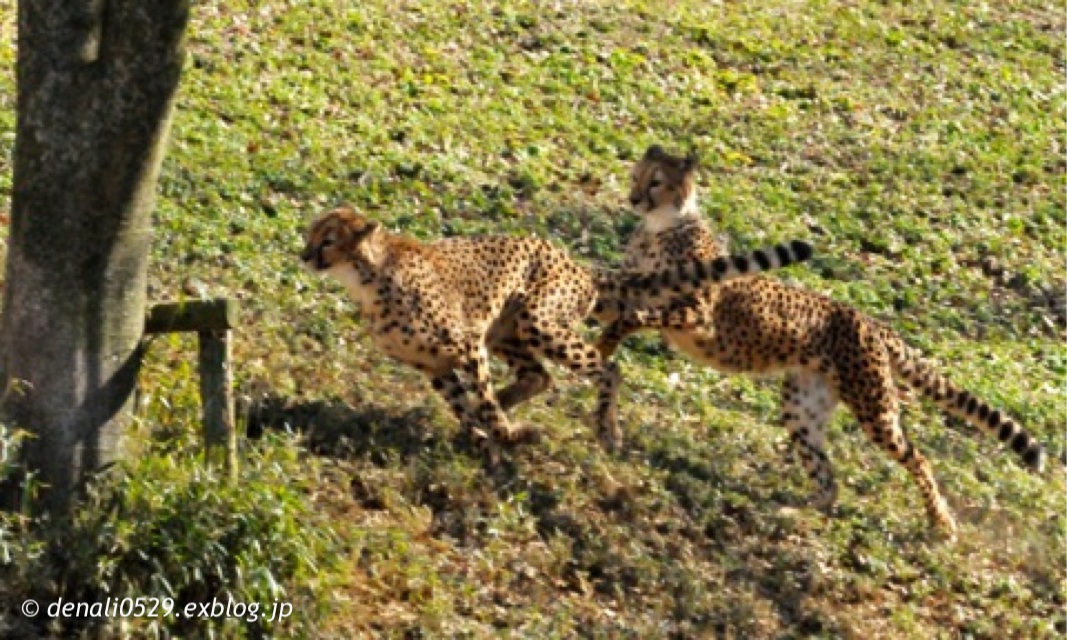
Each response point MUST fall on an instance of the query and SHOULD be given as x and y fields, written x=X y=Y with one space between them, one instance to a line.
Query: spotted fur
x=442 y=307
x=828 y=351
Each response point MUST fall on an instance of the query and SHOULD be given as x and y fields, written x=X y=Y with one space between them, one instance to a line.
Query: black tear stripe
x=783 y=255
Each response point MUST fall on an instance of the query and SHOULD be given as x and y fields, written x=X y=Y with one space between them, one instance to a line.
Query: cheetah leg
x=456 y=394
x=531 y=377
x=607 y=405
x=881 y=423
x=568 y=349
x=678 y=315
x=613 y=335
x=633 y=319
x=487 y=410
x=808 y=401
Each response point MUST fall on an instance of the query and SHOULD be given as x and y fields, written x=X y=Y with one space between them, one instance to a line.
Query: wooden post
x=216 y=385
x=213 y=321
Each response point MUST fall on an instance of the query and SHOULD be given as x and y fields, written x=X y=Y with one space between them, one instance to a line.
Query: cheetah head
x=660 y=180
x=338 y=237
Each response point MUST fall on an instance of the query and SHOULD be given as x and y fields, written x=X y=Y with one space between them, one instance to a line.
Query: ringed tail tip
x=1034 y=457
x=802 y=250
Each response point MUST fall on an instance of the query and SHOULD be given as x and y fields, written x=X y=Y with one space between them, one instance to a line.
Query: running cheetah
x=442 y=306
x=828 y=351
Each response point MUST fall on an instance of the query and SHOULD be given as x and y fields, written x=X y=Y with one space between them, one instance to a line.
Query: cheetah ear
x=369 y=243
x=369 y=230
x=691 y=162
x=655 y=152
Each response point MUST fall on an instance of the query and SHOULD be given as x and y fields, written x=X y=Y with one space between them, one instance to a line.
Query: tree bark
x=96 y=86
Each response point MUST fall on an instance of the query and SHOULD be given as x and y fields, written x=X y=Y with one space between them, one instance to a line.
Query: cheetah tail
x=921 y=375
x=692 y=275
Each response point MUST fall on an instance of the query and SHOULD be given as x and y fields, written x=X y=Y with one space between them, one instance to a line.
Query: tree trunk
x=96 y=87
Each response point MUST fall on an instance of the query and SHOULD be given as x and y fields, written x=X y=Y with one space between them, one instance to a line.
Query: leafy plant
x=170 y=529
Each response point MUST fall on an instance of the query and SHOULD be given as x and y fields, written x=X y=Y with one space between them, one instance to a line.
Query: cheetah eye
x=655 y=183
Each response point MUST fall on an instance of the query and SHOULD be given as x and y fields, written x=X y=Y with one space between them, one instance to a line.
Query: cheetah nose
x=307 y=254
x=635 y=200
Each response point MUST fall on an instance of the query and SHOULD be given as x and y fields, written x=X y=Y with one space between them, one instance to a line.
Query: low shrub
x=177 y=534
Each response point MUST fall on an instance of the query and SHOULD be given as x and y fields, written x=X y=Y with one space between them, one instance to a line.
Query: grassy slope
x=920 y=146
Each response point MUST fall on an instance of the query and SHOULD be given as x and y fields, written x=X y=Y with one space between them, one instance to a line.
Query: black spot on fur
x=1005 y=431
x=1032 y=457
x=972 y=405
x=741 y=264
x=983 y=412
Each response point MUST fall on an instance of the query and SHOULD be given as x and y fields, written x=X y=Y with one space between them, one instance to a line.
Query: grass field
x=919 y=146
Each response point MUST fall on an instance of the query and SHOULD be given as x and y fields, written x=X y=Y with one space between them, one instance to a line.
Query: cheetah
x=441 y=307
x=828 y=351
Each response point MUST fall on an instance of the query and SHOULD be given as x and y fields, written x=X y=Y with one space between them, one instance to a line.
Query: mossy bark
x=96 y=87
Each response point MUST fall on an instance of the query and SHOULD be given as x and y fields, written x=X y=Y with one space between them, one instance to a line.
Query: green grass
x=918 y=145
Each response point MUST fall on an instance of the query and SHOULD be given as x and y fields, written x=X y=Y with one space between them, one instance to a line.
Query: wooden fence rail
x=213 y=321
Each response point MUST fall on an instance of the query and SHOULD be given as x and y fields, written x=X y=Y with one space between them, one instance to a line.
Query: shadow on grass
x=336 y=429
x=728 y=520
x=393 y=438
x=738 y=526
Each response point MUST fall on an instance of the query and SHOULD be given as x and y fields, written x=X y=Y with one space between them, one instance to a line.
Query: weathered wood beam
x=219 y=314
